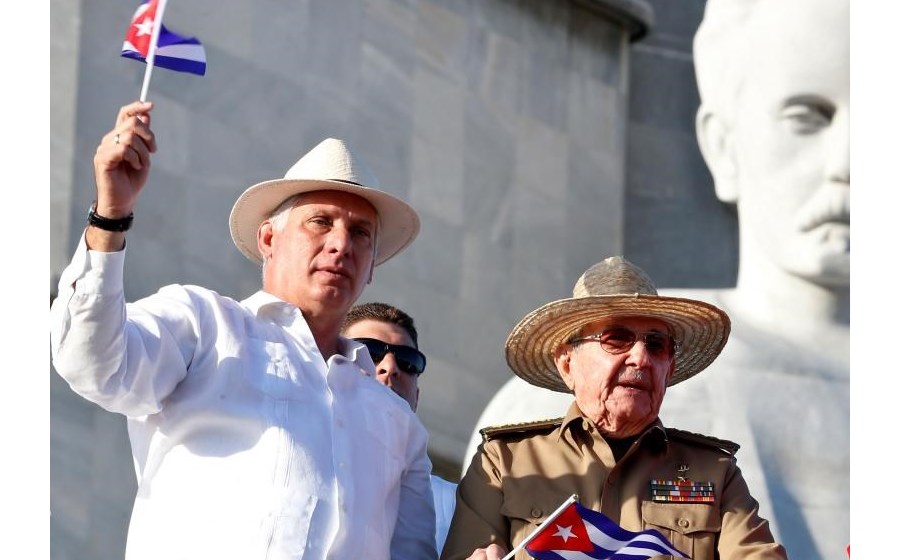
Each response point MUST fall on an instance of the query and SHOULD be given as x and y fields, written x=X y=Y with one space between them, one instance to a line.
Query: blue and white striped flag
x=174 y=52
x=575 y=532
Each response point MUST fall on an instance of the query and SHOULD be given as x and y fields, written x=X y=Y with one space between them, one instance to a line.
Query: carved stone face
x=788 y=140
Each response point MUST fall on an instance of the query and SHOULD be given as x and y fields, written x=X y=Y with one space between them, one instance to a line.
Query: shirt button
x=339 y=423
x=535 y=512
x=683 y=523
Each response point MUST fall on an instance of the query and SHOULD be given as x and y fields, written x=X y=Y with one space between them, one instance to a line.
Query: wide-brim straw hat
x=330 y=166
x=614 y=288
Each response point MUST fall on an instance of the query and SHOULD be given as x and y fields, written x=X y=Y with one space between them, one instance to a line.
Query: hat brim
x=398 y=221
x=699 y=328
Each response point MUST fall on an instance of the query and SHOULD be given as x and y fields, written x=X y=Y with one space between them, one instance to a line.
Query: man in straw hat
x=253 y=433
x=616 y=345
x=776 y=139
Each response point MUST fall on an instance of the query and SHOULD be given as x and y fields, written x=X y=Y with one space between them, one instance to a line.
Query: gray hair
x=279 y=216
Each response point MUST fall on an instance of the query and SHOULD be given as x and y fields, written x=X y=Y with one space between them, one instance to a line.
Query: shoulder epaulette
x=521 y=428
x=728 y=447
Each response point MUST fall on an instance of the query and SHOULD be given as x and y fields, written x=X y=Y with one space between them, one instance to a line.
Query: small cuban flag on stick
x=574 y=532
x=149 y=41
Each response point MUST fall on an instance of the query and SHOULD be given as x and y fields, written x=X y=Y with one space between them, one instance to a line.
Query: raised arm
x=126 y=361
x=121 y=168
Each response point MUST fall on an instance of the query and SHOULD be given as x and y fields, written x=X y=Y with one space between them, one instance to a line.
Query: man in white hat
x=616 y=345
x=253 y=434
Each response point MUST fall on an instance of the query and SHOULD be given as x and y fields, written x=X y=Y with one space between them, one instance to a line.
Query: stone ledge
x=635 y=15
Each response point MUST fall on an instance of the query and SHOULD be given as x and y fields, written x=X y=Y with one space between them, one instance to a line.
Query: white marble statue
x=773 y=127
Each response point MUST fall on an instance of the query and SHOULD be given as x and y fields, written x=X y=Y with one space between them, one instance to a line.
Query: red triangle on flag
x=566 y=532
x=140 y=31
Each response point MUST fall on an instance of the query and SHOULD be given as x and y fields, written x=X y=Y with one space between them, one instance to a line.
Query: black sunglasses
x=409 y=359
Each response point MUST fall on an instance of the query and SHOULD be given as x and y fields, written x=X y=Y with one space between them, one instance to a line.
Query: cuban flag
x=580 y=533
x=183 y=54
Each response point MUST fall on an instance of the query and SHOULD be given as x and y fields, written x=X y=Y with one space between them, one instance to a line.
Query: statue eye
x=807 y=115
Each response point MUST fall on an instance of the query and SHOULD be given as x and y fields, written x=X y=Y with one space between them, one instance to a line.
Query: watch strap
x=109 y=224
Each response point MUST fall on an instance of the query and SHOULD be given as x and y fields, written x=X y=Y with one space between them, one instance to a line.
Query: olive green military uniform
x=522 y=473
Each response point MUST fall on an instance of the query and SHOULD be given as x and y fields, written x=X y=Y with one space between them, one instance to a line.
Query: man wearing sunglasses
x=391 y=338
x=616 y=345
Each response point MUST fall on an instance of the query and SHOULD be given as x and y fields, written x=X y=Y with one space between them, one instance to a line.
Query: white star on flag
x=145 y=27
x=565 y=533
x=586 y=533
x=168 y=50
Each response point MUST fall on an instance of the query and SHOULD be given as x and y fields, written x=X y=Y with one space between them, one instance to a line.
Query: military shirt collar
x=575 y=422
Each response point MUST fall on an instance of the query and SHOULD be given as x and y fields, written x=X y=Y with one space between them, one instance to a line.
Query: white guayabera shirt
x=246 y=442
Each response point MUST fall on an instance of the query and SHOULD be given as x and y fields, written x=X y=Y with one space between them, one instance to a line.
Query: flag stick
x=540 y=527
x=151 y=53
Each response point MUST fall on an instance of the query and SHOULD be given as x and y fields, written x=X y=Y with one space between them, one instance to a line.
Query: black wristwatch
x=109 y=224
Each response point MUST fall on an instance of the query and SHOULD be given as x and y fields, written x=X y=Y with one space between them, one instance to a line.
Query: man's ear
x=563 y=359
x=264 y=239
x=717 y=147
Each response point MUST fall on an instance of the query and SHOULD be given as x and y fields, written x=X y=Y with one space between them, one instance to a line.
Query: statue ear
x=717 y=146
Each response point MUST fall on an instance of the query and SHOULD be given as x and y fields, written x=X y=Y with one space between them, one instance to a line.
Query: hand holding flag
x=574 y=532
x=148 y=40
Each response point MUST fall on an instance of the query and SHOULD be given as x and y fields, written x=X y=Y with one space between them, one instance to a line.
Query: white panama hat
x=330 y=166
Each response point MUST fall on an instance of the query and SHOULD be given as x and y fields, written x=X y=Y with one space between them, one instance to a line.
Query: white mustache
x=830 y=204
x=630 y=376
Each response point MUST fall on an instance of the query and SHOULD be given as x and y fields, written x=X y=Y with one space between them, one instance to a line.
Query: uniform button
x=535 y=512
x=683 y=523
x=340 y=423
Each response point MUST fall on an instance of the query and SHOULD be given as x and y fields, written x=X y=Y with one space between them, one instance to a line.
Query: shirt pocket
x=268 y=369
x=526 y=509
x=691 y=528
x=387 y=432
x=288 y=535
